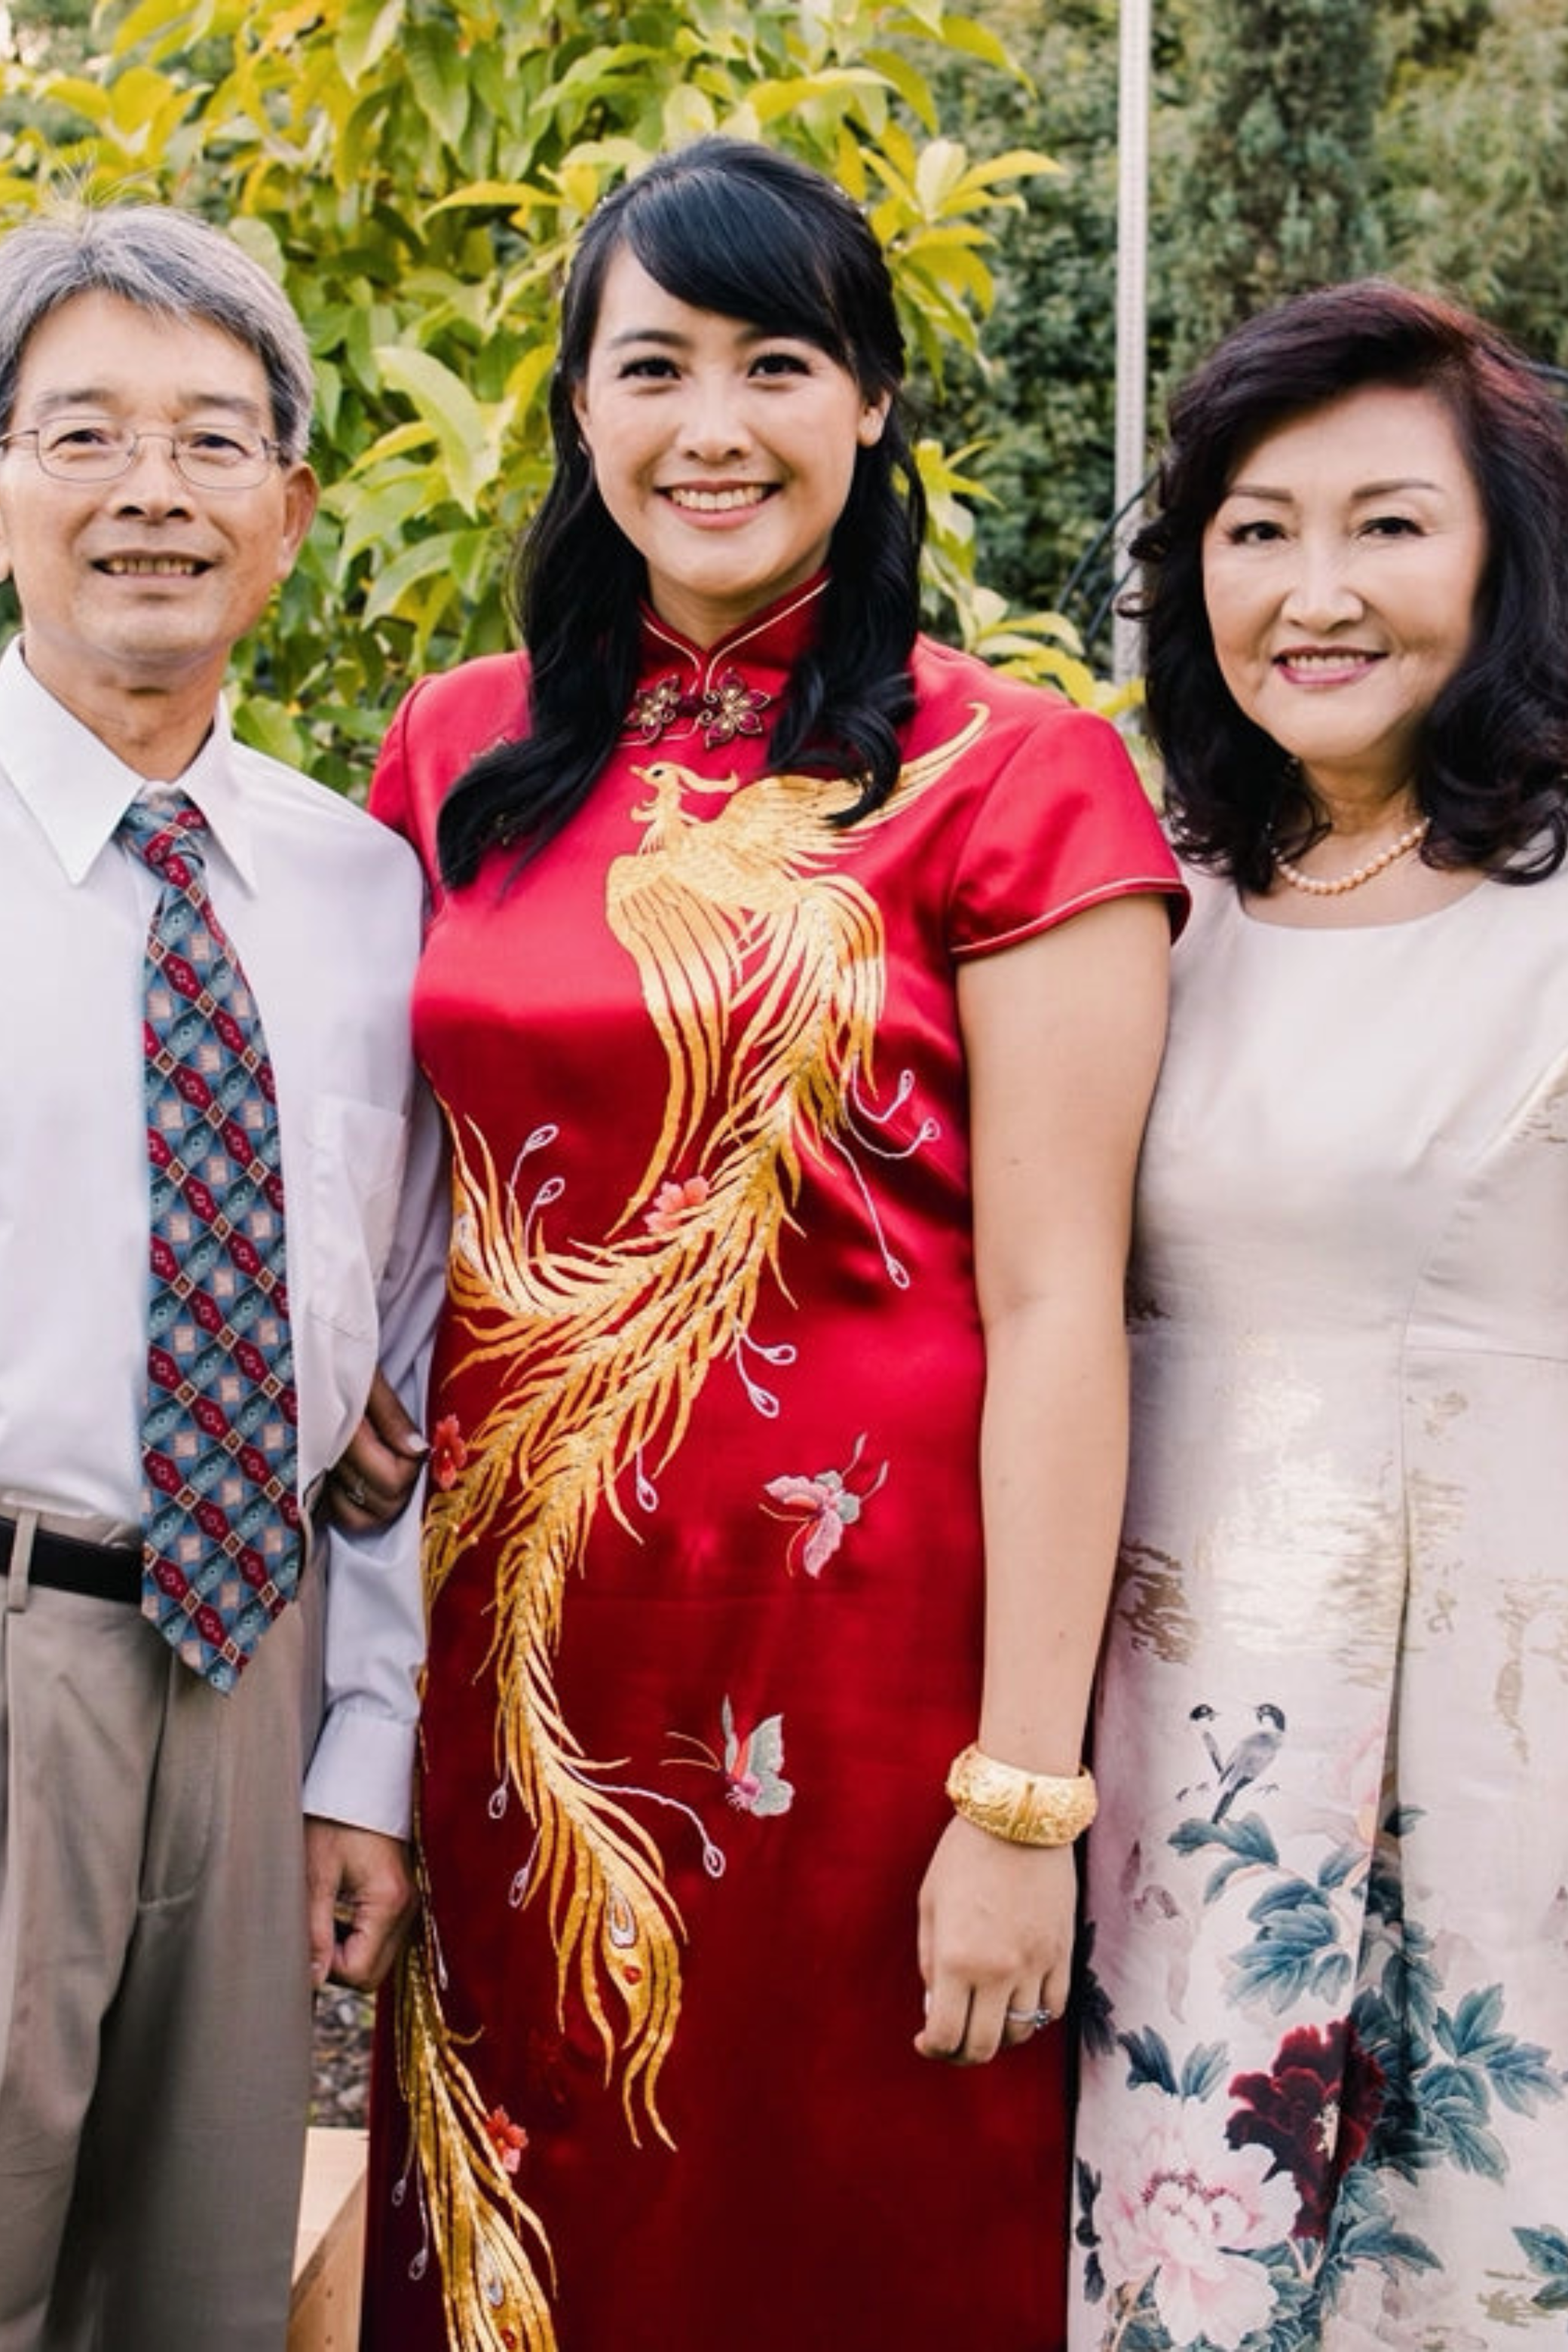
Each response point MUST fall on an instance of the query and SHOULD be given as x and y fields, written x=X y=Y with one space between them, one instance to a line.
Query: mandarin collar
x=723 y=691
x=774 y=637
x=77 y=790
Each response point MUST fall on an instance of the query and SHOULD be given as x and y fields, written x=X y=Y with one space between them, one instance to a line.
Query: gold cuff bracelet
x=1025 y=1808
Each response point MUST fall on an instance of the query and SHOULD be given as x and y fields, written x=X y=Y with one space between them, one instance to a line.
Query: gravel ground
x=341 y=2057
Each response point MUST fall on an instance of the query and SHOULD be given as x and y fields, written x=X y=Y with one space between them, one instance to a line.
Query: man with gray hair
x=220 y=1191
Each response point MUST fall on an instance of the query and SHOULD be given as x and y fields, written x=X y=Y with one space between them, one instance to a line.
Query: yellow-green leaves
x=413 y=172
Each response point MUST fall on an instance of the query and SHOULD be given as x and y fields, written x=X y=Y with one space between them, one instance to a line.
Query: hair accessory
x=1316 y=886
x=1025 y=1808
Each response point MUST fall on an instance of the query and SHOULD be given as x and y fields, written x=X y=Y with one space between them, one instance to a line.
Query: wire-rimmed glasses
x=88 y=450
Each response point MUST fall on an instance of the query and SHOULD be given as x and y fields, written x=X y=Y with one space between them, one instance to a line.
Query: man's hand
x=361 y=1899
x=373 y=1482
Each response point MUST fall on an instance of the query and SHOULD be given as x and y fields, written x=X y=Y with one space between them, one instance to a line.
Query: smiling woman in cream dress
x=1326 y=2027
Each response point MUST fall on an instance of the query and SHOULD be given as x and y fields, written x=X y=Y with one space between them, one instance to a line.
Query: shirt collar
x=75 y=788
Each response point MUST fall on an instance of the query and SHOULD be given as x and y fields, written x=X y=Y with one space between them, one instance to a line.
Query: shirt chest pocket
x=355 y=1153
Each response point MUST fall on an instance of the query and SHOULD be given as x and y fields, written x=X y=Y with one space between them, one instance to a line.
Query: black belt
x=102 y=1572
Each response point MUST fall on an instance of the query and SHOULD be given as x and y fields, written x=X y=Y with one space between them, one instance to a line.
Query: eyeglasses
x=84 y=449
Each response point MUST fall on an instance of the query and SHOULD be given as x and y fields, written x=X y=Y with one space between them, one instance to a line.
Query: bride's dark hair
x=735 y=228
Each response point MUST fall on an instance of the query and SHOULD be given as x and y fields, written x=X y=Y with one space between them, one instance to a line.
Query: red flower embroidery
x=448 y=1451
x=1313 y=2114
x=507 y=2138
x=672 y=1200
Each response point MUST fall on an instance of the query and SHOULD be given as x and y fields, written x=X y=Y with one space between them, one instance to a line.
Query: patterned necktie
x=220 y=1514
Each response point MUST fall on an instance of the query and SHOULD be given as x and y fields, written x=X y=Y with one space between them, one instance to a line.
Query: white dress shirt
x=323 y=907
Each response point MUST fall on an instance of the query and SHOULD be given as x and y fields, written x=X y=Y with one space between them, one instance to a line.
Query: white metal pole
x=1131 y=300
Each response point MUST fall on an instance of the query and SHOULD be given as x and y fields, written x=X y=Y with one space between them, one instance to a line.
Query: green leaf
x=85 y=98
x=366 y=31
x=1204 y=2069
x=466 y=432
x=1546 y=2250
x=375 y=517
x=977 y=40
x=531 y=373
x=391 y=592
x=494 y=195
x=686 y=113
x=438 y=79
x=938 y=172
x=270 y=727
x=903 y=75
x=143 y=104
x=1149 y=2060
x=413 y=172
x=777 y=102
x=260 y=240
x=1017 y=163
x=163 y=31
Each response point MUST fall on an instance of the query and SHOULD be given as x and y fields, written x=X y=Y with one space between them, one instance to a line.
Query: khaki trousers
x=154 y=1992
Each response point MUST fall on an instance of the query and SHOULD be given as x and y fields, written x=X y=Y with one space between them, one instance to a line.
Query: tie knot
x=166 y=834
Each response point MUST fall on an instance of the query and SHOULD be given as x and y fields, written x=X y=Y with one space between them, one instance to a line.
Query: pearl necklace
x=1316 y=888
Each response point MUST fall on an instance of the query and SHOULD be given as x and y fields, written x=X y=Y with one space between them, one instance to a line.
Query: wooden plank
x=329 y=2247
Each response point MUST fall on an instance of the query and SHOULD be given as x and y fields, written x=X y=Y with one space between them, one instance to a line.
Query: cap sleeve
x=442 y=724
x=1064 y=824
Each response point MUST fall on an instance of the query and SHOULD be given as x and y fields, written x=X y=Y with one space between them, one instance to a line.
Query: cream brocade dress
x=1327 y=2028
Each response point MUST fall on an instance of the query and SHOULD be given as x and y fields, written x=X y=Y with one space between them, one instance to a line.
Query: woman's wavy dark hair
x=1493 y=761
x=735 y=228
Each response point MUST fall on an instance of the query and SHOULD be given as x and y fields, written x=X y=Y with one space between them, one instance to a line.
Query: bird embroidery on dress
x=761 y=967
x=1247 y=1760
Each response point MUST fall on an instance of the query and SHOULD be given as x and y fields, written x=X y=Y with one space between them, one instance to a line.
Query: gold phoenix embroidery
x=762 y=966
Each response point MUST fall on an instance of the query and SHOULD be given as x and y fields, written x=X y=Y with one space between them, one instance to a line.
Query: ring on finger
x=354 y=1488
x=1033 y=2018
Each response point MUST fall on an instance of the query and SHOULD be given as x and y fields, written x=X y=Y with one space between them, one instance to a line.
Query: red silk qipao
x=703 y=1554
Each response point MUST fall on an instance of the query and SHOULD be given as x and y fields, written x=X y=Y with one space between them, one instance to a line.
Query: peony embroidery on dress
x=1264 y=2201
x=508 y=2139
x=672 y=1201
x=1313 y=2113
x=824 y=1505
x=1186 y=2246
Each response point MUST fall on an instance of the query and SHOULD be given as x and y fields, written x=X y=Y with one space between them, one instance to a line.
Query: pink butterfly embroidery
x=827 y=1505
x=754 y=1781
